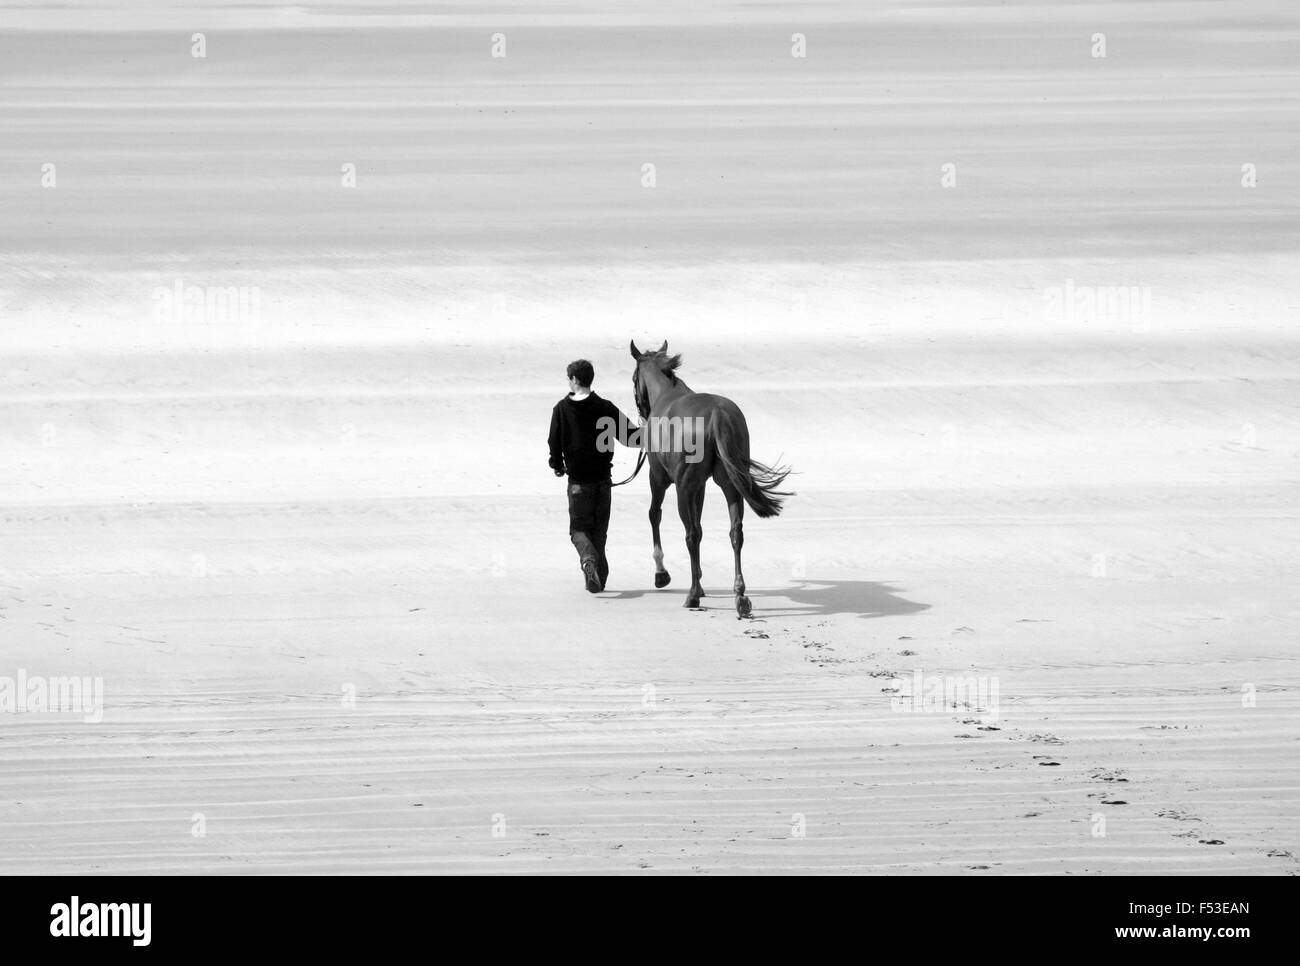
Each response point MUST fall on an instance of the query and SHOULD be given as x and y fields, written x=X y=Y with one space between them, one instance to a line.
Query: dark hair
x=581 y=370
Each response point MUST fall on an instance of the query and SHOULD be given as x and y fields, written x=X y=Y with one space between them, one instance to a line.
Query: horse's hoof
x=692 y=603
x=744 y=608
x=662 y=578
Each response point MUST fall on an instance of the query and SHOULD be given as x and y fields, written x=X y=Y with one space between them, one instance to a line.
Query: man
x=583 y=427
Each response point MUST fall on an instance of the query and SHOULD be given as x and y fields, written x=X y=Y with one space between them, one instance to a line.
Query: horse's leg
x=690 y=504
x=736 y=510
x=658 y=488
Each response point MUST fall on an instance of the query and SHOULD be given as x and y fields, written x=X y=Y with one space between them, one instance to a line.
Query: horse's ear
x=635 y=354
x=664 y=347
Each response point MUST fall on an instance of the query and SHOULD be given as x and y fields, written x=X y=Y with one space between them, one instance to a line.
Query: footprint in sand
x=1108 y=775
x=980 y=725
x=1041 y=739
x=1181 y=815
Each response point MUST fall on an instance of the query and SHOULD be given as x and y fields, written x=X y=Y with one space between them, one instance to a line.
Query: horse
x=712 y=441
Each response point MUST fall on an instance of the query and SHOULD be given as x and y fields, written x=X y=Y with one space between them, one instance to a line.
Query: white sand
x=234 y=524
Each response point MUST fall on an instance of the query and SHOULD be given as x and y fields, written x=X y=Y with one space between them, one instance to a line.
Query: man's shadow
x=806 y=598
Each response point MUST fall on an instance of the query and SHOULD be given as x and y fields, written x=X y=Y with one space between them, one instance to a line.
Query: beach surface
x=1043 y=408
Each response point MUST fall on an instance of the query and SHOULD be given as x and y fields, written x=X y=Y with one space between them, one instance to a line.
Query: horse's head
x=657 y=360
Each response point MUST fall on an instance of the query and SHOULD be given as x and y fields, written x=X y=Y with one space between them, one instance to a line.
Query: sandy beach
x=1045 y=424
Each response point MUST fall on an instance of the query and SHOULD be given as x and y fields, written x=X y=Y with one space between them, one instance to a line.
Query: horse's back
x=706 y=407
x=702 y=404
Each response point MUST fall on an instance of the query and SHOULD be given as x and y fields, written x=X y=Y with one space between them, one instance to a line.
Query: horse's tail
x=755 y=481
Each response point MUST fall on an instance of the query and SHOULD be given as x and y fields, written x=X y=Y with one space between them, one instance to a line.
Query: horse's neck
x=664 y=390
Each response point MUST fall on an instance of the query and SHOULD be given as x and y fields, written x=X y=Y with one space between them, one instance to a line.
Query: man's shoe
x=593 y=582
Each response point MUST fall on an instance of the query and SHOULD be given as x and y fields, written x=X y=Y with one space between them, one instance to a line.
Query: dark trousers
x=589 y=523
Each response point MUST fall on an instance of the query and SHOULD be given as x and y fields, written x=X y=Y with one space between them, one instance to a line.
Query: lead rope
x=640 y=462
x=640 y=458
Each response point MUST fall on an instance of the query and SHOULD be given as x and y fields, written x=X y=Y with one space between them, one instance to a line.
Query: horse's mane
x=667 y=366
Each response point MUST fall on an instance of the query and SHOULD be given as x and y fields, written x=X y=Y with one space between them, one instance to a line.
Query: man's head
x=580 y=374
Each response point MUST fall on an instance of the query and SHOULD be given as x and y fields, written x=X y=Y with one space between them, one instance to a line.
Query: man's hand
x=559 y=472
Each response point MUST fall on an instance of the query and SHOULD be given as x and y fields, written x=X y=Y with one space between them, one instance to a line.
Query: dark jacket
x=582 y=434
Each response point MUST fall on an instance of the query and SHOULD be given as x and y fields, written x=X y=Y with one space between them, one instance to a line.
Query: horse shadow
x=808 y=598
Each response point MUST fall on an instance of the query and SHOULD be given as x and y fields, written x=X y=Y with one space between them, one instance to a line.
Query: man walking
x=583 y=427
